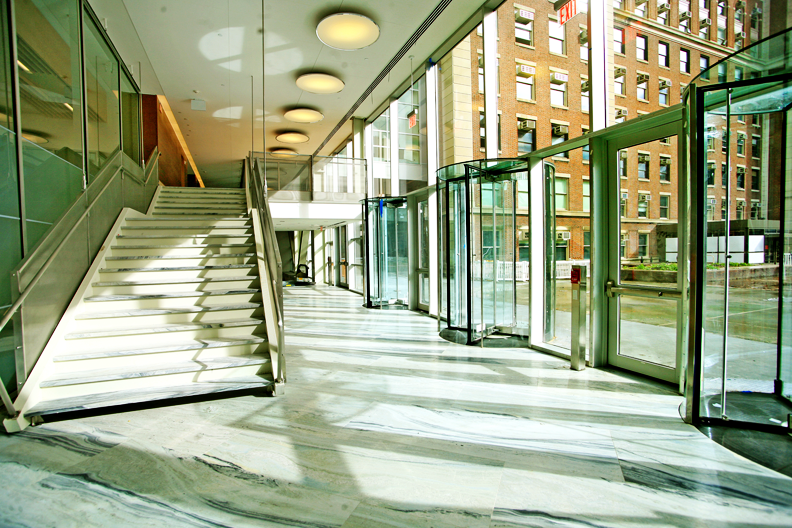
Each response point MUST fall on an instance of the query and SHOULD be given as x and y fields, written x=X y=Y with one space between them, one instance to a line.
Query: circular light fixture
x=292 y=137
x=320 y=83
x=303 y=115
x=347 y=31
x=35 y=138
x=283 y=152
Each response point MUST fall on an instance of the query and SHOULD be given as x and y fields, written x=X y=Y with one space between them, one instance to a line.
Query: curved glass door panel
x=386 y=243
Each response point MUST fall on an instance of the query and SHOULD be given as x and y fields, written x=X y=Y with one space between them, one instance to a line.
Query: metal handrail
x=272 y=260
x=7 y=402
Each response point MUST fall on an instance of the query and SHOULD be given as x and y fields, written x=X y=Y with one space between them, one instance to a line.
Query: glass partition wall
x=387 y=267
x=478 y=250
x=743 y=375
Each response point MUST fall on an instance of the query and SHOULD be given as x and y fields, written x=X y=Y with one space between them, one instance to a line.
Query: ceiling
x=211 y=50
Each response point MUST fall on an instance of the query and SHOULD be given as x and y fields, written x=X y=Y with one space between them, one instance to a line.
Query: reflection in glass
x=130 y=114
x=102 y=96
x=387 y=267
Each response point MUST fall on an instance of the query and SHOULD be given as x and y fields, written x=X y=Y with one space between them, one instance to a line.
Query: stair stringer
x=270 y=317
x=30 y=394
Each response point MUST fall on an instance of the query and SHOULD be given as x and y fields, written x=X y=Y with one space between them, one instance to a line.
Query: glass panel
x=647 y=329
x=51 y=186
x=49 y=76
x=457 y=251
x=747 y=372
x=101 y=82
x=423 y=234
x=130 y=114
x=568 y=219
x=10 y=241
x=412 y=138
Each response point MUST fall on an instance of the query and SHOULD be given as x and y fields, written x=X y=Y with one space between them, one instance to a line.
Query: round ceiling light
x=283 y=152
x=320 y=83
x=303 y=115
x=347 y=31
x=292 y=137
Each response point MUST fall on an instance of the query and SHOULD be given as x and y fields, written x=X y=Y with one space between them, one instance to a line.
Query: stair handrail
x=272 y=260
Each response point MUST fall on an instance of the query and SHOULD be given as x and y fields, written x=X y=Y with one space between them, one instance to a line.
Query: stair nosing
x=150 y=312
x=165 y=328
x=173 y=246
x=203 y=344
x=172 y=295
x=185 y=257
x=177 y=268
x=193 y=280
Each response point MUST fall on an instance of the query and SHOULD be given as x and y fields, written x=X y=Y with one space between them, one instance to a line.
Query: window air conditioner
x=583 y=36
x=523 y=70
x=712 y=201
x=526 y=124
x=523 y=16
x=624 y=196
x=621 y=112
x=685 y=15
x=619 y=72
x=740 y=170
x=563 y=235
x=642 y=77
x=585 y=86
x=643 y=157
x=560 y=130
x=640 y=2
x=664 y=83
x=526 y=235
x=741 y=35
x=559 y=78
x=623 y=154
x=705 y=22
x=663 y=7
x=644 y=197
x=740 y=205
x=740 y=4
x=665 y=161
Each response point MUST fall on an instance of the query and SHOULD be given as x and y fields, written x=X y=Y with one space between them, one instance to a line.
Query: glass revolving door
x=387 y=269
x=744 y=180
x=478 y=241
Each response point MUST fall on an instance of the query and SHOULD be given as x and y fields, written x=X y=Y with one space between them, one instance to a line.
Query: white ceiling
x=211 y=50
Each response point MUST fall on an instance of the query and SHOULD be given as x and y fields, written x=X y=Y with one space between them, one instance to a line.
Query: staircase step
x=207 y=213
x=201 y=344
x=200 y=284
x=133 y=250
x=223 y=201
x=114 y=374
x=194 y=228
x=164 y=329
x=110 y=399
x=166 y=300
x=172 y=261
x=202 y=190
x=186 y=257
x=164 y=272
x=174 y=295
x=141 y=312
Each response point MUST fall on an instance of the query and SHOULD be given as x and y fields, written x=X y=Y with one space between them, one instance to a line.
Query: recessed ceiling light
x=347 y=31
x=283 y=152
x=303 y=115
x=292 y=137
x=320 y=83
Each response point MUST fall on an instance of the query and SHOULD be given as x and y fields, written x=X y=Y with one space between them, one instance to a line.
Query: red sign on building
x=412 y=118
x=567 y=11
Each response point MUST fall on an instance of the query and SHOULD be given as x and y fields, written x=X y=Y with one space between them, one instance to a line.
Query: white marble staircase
x=172 y=307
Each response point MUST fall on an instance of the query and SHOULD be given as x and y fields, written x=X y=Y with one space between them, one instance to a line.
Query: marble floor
x=384 y=424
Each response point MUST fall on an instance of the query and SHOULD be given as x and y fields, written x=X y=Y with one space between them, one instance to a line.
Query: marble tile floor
x=384 y=424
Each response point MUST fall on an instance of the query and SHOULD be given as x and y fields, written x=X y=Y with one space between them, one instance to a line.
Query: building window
x=723 y=208
x=618 y=40
x=711 y=174
x=643 y=244
x=481 y=73
x=664 y=201
x=586 y=196
x=665 y=169
x=684 y=15
x=740 y=145
x=755 y=207
x=724 y=144
x=662 y=54
x=724 y=175
x=409 y=138
x=482 y=131
x=722 y=73
x=665 y=141
x=525 y=88
x=756 y=146
x=740 y=210
x=558 y=94
x=641 y=48
x=560 y=134
x=586 y=152
x=557 y=38
x=523 y=32
x=618 y=81
x=723 y=7
x=642 y=87
x=663 y=93
x=663 y=8
x=710 y=208
x=618 y=4
x=755 y=177
x=684 y=60
x=584 y=51
x=586 y=245
x=704 y=66
x=562 y=194
x=526 y=135
x=380 y=130
x=640 y=7
x=741 y=178
x=622 y=164
x=623 y=205
x=738 y=73
x=623 y=249
x=585 y=99
x=643 y=166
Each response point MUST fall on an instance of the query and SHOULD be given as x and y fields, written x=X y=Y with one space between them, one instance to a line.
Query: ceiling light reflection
x=303 y=115
x=292 y=137
x=347 y=31
x=320 y=83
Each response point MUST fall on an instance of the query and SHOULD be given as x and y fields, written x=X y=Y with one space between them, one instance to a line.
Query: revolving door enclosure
x=386 y=262
x=740 y=131
x=478 y=249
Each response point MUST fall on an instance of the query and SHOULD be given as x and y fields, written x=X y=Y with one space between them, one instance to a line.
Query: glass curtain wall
x=744 y=135
x=381 y=154
x=411 y=107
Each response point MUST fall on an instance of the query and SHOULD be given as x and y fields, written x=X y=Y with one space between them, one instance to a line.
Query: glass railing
x=335 y=177
x=298 y=178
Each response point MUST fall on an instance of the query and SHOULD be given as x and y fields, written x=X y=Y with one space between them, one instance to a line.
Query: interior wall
x=157 y=132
